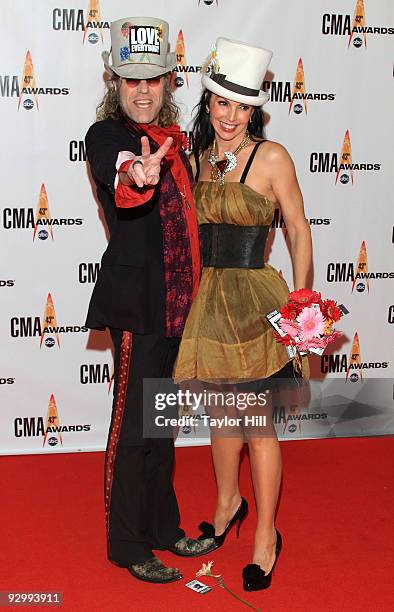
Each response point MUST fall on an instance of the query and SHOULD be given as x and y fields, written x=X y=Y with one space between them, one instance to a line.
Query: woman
x=227 y=338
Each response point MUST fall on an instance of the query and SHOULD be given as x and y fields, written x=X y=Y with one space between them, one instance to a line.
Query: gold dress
x=227 y=337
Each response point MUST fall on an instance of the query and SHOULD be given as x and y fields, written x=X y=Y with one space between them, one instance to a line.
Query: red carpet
x=336 y=517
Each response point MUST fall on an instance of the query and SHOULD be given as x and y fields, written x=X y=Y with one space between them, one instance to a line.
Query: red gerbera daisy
x=330 y=310
x=305 y=297
x=286 y=340
x=290 y=311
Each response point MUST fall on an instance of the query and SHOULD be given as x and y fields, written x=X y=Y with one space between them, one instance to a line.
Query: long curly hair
x=203 y=132
x=109 y=106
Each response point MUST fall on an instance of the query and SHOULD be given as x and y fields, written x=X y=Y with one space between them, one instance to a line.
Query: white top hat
x=236 y=71
x=139 y=48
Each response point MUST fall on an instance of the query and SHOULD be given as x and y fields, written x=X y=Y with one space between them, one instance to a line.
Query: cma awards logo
x=278 y=222
x=49 y=428
x=52 y=425
x=351 y=366
x=43 y=216
x=342 y=164
x=96 y=373
x=91 y=25
x=49 y=326
x=47 y=329
x=42 y=223
x=297 y=96
x=355 y=29
x=27 y=91
x=358 y=275
x=292 y=417
x=182 y=69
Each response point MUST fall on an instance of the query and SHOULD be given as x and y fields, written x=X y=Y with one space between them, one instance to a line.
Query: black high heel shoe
x=254 y=577
x=208 y=530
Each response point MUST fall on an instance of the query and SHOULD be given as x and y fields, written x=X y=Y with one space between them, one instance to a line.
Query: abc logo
x=298 y=109
x=52 y=441
x=43 y=234
x=28 y=104
x=186 y=429
x=178 y=81
x=357 y=42
x=344 y=179
x=49 y=342
x=208 y=2
x=292 y=427
x=354 y=377
x=93 y=38
x=360 y=287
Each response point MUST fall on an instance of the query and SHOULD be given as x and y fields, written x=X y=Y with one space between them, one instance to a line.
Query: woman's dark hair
x=203 y=132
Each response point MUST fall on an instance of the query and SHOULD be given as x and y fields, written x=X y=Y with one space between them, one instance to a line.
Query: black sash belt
x=233 y=246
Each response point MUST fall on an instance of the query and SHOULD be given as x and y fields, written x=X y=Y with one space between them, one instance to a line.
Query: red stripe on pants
x=124 y=368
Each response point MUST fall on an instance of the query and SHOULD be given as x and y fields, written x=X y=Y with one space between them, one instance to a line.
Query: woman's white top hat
x=139 y=48
x=236 y=71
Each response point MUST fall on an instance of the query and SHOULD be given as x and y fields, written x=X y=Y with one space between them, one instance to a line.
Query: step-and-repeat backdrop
x=330 y=83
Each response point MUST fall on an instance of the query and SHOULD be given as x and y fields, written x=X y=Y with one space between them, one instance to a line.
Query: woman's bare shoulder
x=272 y=151
x=275 y=157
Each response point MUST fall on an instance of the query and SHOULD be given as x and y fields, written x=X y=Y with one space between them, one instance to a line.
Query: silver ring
x=137 y=161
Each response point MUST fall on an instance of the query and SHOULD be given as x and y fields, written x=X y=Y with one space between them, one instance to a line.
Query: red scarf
x=182 y=179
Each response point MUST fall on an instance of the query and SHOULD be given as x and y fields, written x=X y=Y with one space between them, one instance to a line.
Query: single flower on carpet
x=205 y=570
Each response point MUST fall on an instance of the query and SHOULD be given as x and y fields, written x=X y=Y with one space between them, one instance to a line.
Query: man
x=149 y=275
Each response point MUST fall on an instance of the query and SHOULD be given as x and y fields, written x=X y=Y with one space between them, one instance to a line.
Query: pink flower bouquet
x=305 y=324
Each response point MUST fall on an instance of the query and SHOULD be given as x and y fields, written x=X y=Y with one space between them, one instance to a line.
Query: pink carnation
x=290 y=327
x=333 y=336
x=311 y=322
x=313 y=343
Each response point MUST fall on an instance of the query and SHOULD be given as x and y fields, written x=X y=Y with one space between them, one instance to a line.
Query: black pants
x=141 y=507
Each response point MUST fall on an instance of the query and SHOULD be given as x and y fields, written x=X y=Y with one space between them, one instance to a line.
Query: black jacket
x=130 y=290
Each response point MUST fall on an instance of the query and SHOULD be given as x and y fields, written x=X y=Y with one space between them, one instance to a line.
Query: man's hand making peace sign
x=145 y=168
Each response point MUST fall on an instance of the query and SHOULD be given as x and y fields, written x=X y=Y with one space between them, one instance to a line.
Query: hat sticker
x=144 y=39
x=124 y=52
x=213 y=62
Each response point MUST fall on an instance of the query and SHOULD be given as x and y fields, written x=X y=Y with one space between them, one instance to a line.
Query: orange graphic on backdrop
x=49 y=321
x=52 y=420
x=93 y=18
x=358 y=21
x=181 y=54
x=298 y=86
x=111 y=380
x=345 y=162
x=28 y=79
x=354 y=363
x=43 y=212
x=362 y=266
